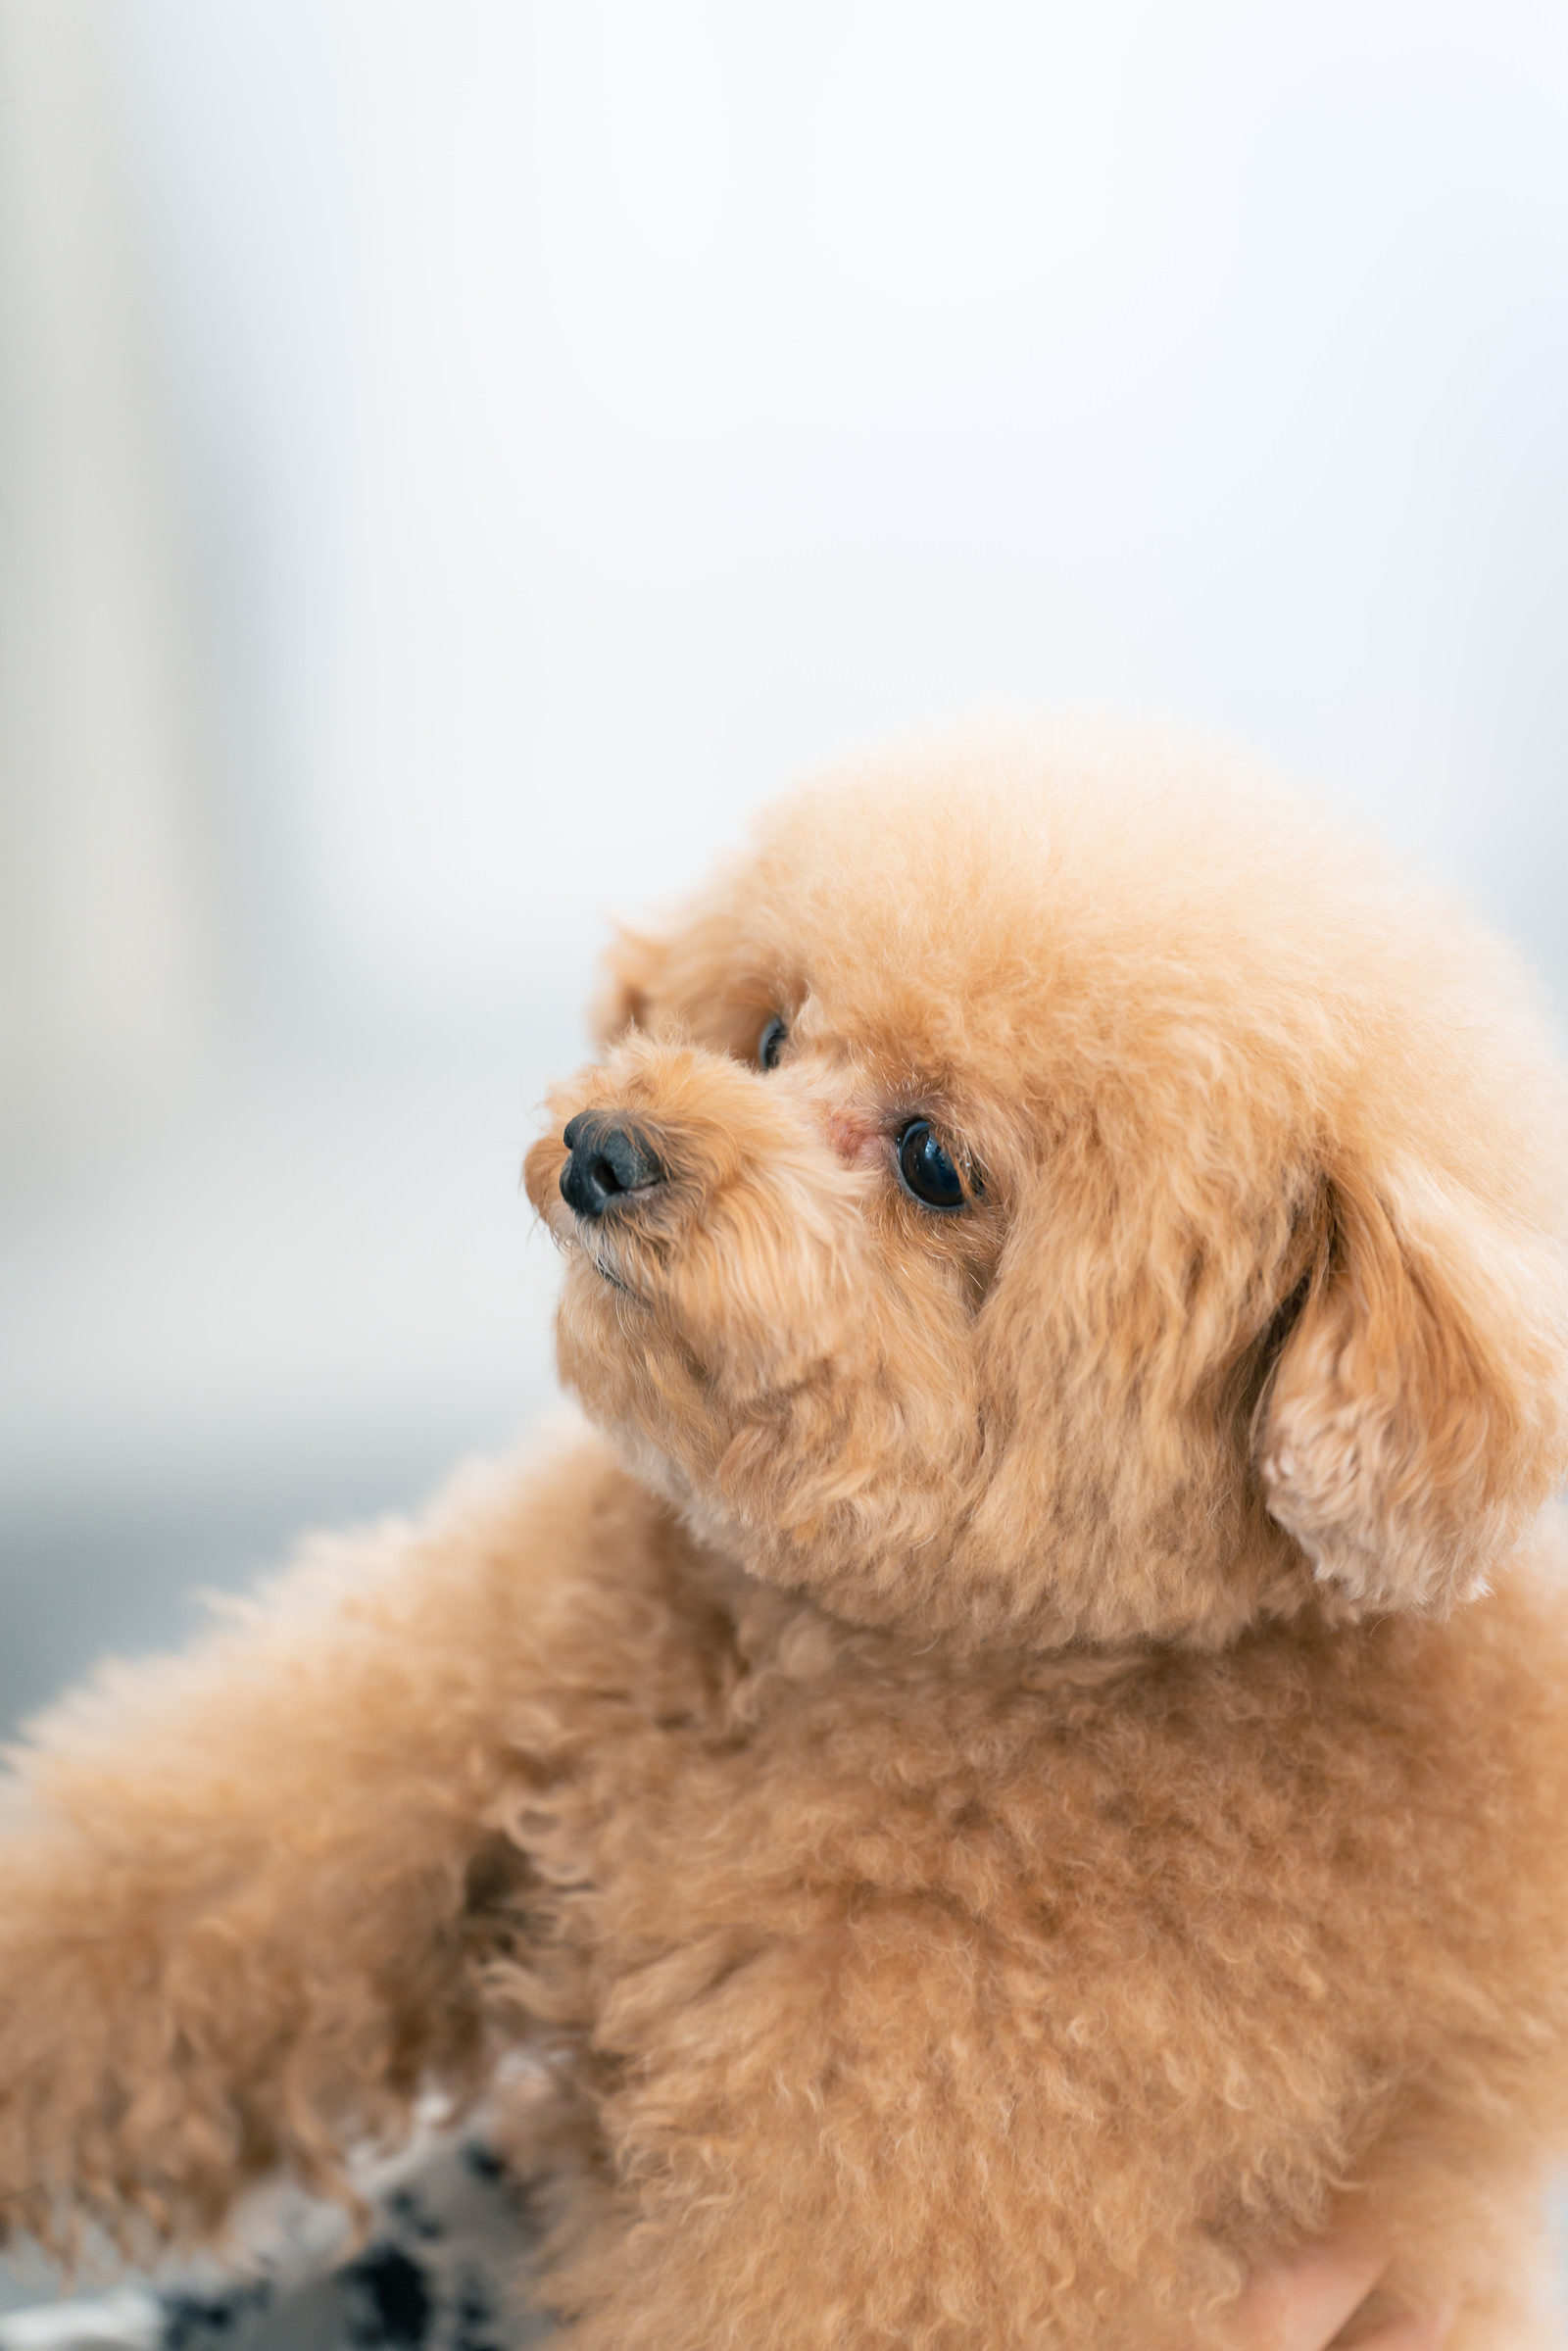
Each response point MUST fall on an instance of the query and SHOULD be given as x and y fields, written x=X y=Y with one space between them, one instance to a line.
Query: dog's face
x=1049 y=1196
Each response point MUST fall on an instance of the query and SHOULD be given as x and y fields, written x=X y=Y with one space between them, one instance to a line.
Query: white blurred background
x=457 y=458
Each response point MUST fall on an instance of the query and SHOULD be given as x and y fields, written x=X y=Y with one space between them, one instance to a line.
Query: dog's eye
x=925 y=1170
x=770 y=1045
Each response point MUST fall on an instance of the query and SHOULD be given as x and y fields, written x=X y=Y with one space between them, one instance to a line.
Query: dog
x=1019 y=1769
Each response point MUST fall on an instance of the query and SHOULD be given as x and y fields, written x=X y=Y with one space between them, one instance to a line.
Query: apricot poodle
x=1022 y=1771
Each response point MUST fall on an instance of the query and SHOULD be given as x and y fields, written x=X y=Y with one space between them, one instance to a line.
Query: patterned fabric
x=436 y=2274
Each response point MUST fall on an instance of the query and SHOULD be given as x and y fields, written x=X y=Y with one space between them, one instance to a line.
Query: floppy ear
x=1417 y=1416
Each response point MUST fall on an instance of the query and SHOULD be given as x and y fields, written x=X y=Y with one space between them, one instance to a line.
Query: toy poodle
x=1020 y=1769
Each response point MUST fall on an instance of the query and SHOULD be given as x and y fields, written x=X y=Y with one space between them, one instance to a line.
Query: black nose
x=609 y=1159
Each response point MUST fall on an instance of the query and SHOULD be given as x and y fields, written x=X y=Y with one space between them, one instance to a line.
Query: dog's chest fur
x=1140 y=1950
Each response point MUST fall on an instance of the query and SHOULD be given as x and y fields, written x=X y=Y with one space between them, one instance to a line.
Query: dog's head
x=1056 y=1195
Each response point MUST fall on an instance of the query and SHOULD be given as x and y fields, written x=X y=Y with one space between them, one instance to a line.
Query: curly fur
x=1025 y=1768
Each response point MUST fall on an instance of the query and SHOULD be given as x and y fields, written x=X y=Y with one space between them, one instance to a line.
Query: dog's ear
x=1417 y=1414
x=629 y=977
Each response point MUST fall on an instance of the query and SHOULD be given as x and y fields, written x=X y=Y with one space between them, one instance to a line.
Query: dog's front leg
x=237 y=1888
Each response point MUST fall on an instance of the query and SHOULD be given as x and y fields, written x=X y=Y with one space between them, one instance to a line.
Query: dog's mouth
x=594 y=1253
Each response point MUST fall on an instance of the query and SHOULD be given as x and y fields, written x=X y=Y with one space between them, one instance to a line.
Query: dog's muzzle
x=610 y=1166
